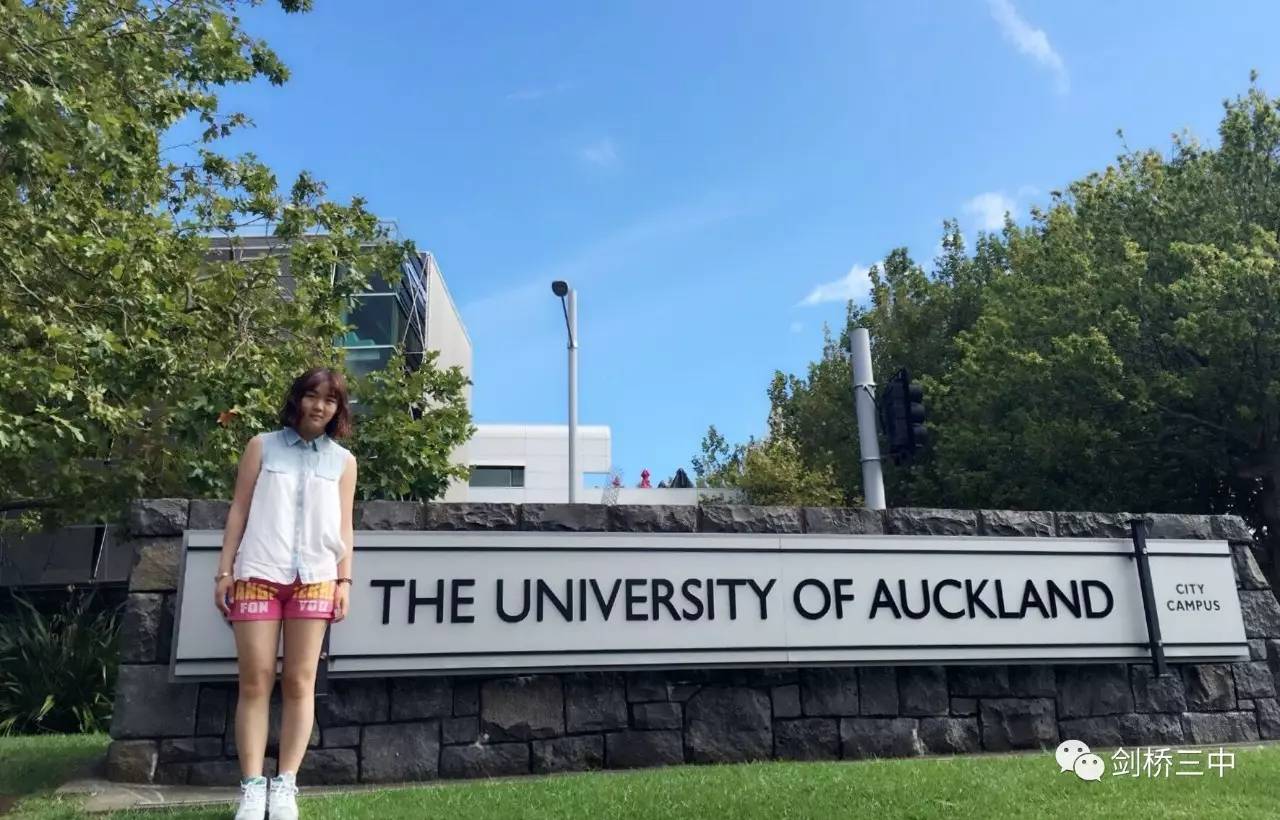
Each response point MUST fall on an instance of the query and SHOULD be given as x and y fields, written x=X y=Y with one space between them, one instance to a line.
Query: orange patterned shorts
x=257 y=599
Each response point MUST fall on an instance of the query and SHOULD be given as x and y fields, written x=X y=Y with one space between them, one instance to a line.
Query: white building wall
x=445 y=331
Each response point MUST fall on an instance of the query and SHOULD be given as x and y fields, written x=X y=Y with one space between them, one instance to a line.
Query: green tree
x=1120 y=352
x=130 y=363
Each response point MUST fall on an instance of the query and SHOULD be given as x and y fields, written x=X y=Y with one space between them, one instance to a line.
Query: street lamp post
x=569 y=301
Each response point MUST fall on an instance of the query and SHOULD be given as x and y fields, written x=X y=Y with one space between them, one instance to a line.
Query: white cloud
x=601 y=153
x=797 y=327
x=990 y=208
x=853 y=285
x=1031 y=41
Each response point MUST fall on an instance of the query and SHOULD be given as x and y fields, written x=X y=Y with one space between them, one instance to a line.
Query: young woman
x=286 y=556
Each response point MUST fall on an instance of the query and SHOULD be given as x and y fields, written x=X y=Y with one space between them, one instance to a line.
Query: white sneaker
x=253 y=799
x=283 y=801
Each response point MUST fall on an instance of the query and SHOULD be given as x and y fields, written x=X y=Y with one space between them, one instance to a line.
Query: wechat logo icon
x=1074 y=756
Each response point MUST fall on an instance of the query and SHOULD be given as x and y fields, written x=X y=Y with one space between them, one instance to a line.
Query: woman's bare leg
x=256 y=645
x=302 y=640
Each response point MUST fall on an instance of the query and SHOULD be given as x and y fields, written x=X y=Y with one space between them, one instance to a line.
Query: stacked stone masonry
x=422 y=728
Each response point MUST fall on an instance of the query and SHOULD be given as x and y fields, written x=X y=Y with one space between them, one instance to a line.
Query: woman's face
x=317 y=408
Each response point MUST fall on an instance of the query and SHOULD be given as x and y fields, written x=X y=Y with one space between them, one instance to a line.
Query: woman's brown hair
x=340 y=425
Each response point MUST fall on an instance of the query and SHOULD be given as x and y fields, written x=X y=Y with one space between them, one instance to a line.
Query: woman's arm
x=347 y=497
x=246 y=478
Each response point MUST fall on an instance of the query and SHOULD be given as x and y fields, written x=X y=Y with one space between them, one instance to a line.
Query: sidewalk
x=107 y=796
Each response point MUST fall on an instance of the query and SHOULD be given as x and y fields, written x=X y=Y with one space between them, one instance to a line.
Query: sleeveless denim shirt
x=294 y=528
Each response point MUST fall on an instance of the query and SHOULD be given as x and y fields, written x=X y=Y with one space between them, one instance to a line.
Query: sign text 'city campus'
x=707 y=599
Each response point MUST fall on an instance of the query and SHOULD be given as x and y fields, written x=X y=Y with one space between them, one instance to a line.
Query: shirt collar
x=292 y=438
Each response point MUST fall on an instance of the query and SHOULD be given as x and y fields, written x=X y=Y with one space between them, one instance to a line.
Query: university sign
x=455 y=602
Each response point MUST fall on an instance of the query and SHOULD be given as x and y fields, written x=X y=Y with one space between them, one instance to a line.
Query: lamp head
x=560 y=288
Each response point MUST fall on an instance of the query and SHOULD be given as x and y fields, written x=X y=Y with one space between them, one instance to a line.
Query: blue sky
x=713 y=177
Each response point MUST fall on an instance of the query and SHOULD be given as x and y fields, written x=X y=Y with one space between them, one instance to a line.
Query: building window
x=497 y=477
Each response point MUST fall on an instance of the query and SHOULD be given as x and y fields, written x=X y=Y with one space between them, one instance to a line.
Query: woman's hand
x=341 y=602
x=222 y=594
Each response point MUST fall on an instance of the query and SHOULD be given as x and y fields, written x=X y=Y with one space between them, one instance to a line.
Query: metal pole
x=1139 y=530
x=573 y=396
x=864 y=400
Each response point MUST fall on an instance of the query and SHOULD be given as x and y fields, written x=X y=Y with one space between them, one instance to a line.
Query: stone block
x=522 y=708
x=389 y=515
x=329 y=767
x=466 y=697
x=190 y=749
x=341 y=736
x=925 y=521
x=950 y=735
x=155 y=565
x=807 y=739
x=1157 y=694
x=1151 y=729
x=490 y=760
x=395 y=752
x=595 y=702
x=353 y=701
x=635 y=749
x=829 y=692
x=140 y=627
x=1268 y=711
x=1253 y=680
x=212 y=709
x=880 y=737
x=207 y=514
x=1087 y=690
x=132 y=761
x=222 y=772
x=1018 y=723
x=1093 y=525
x=1229 y=528
x=460 y=729
x=1025 y=524
x=147 y=705
x=421 y=698
x=1258 y=649
x=647 y=686
x=725 y=725
x=1220 y=727
x=662 y=715
x=469 y=516
x=745 y=518
x=1177 y=525
x=878 y=691
x=653 y=518
x=158 y=516
x=1096 y=732
x=978 y=681
x=964 y=706
x=1209 y=687
x=567 y=754
x=843 y=520
x=1248 y=574
x=172 y=774
x=1032 y=681
x=786 y=701
x=564 y=517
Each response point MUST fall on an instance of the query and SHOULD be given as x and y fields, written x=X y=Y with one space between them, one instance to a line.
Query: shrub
x=57 y=671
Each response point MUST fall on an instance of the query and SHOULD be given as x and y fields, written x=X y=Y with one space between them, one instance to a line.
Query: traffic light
x=902 y=416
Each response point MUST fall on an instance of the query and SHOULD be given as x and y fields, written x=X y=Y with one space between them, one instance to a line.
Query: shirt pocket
x=331 y=468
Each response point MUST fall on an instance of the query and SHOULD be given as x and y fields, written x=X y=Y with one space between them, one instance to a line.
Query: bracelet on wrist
x=343 y=581
x=220 y=576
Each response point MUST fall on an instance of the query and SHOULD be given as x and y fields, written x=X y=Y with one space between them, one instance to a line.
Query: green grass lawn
x=989 y=786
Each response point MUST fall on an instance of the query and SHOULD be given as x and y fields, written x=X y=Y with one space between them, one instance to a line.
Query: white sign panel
x=451 y=602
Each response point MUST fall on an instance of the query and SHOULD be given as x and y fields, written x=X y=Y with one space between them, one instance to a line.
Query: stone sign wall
x=421 y=728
